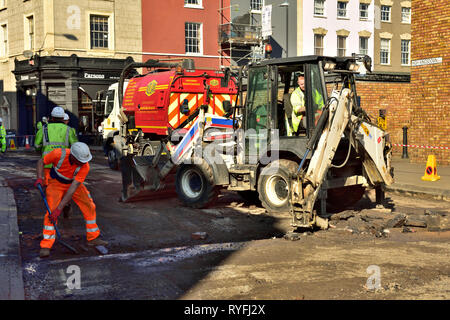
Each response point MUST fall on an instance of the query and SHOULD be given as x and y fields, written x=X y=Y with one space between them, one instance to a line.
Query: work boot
x=97 y=242
x=44 y=253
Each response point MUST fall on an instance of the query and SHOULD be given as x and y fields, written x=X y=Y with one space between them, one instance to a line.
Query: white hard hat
x=44 y=119
x=66 y=116
x=81 y=152
x=58 y=112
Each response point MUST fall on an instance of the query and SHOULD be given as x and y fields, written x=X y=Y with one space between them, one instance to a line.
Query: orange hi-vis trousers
x=55 y=192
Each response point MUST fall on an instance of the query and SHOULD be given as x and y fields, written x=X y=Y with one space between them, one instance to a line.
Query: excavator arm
x=338 y=120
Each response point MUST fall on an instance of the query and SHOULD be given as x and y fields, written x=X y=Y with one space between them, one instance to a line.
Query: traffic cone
x=12 y=145
x=27 y=143
x=431 y=170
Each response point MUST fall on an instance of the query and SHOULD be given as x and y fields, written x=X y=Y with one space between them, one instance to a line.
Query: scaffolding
x=240 y=39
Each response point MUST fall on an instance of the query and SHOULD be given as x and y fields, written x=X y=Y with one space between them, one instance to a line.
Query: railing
x=242 y=33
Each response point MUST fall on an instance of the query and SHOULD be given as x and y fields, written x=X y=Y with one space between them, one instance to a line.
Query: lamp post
x=285 y=4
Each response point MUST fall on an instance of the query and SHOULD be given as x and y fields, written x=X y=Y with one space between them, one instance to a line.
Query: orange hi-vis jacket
x=63 y=173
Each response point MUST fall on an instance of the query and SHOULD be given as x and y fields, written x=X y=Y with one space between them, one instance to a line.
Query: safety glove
x=54 y=216
x=38 y=181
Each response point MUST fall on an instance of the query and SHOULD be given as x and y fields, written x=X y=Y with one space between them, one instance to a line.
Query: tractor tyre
x=113 y=159
x=194 y=184
x=273 y=185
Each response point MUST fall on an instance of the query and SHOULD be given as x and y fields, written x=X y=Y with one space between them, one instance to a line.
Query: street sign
x=266 y=21
x=424 y=62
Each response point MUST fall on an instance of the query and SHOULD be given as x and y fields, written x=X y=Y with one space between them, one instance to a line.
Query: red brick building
x=180 y=29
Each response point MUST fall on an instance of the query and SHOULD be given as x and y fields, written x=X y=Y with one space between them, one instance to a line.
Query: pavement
x=407 y=181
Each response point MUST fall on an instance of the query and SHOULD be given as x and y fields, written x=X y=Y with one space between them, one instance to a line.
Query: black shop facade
x=71 y=82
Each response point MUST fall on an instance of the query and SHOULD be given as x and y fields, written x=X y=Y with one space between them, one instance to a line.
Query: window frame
x=388 y=51
x=4 y=4
x=4 y=40
x=407 y=52
x=199 y=4
x=366 y=39
x=361 y=10
x=340 y=9
x=29 y=37
x=322 y=8
x=321 y=37
x=344 y=38
x=408 y=21
x=256 y=10
x=90 y=31
x=200 y=38
x=388 y=13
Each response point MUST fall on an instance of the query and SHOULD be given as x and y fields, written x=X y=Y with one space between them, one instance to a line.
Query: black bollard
x=405 y=143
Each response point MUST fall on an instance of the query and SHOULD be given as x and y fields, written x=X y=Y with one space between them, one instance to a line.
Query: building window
x=4 y=40
x=341 y=9
x=363 y=45
x=386 y=13
x=2 y=4
x=341 y=41
x=319 y=7
x=193 y=3
x=363 y=11
x=193 y=38
x=99 y=29
x=29 y=33
x=318 y=44
x=385 y=47
x=406 y=15
x=406 y=52
x=256 y=5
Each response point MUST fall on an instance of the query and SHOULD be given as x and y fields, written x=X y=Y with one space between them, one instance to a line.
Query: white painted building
x=336 y=28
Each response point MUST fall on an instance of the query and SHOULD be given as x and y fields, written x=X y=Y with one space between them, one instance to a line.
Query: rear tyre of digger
x=194 y=184
x=113 y=159
x=273 y=185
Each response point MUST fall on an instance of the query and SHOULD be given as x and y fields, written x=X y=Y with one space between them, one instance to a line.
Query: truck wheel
x=113 y=160
x=194 y=184
x=273 y=185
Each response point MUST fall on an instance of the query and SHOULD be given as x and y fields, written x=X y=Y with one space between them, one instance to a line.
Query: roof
x=301 y=60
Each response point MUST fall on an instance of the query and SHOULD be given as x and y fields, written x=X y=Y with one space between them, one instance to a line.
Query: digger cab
x=285 y=98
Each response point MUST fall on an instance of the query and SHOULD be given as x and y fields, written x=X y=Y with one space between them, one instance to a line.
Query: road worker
x=53 y=135
x=298 y=105
x=69 y=170
x=41 y=123
x=2 y=137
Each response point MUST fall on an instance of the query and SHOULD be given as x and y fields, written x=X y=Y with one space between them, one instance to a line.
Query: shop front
x=69 y=82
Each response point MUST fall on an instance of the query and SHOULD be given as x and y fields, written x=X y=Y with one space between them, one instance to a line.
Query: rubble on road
x=378 y=222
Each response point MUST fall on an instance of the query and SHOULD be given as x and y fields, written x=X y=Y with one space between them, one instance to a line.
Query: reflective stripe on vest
x=60 y=177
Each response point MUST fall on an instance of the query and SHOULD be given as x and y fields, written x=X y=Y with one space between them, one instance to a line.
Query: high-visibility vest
x=2 y=139
x=298 y=103
x=52 y=136
x=64 y=161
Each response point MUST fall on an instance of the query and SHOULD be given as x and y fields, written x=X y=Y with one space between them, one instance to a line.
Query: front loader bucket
x=141 y=180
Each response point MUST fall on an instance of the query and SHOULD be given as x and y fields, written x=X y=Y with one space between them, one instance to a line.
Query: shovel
x=56 y=228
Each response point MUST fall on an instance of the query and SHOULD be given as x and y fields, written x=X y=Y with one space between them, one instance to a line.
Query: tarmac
x=407 y=182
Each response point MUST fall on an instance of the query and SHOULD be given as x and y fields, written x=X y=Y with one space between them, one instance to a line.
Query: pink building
x=180 y=29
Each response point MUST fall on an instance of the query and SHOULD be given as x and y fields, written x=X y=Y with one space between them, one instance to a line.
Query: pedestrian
x=2 y=137
x=55 y=134
x=69 y=170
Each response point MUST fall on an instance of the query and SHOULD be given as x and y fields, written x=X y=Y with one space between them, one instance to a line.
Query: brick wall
x=430 y=94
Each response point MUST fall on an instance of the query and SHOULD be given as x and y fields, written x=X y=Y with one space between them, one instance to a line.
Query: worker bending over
x=69 y=170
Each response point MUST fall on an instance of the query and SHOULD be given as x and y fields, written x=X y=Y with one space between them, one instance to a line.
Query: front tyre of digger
x=273 y=185
x=194 y=184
